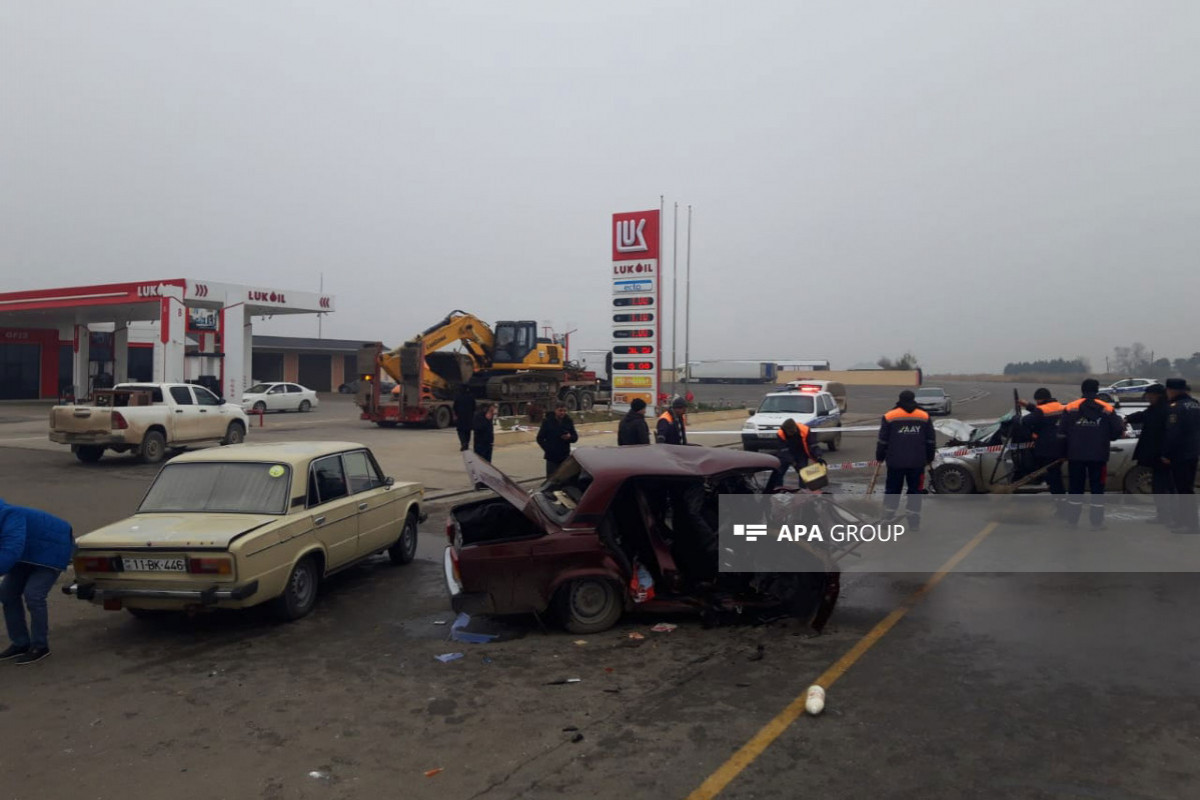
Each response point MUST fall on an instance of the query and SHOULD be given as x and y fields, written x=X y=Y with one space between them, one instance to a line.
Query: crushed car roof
x=668 y=460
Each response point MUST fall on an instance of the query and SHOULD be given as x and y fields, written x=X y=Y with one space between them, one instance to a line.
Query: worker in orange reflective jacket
x=1088 y=427
x=798 y=446
x=671 y=428
x=907 y=444
x=1041 y=426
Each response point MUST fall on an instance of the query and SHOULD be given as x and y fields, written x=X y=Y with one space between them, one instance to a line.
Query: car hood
x=954 y=428
x=175 y=530
x=482 y=471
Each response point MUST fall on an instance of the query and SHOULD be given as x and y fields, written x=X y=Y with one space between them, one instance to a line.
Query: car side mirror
x=750 y=412
x=389 y=480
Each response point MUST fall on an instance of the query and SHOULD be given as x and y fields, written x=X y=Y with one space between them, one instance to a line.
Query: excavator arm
x=474 y=334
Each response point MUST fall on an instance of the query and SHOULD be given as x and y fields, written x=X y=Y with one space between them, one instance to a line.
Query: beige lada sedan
x=248 y=524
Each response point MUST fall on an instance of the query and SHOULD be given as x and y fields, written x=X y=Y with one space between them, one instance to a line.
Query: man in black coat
x=464 y=415
x=1088 y=427
x=555 y=437
x=1148 y=453
x=633 y=428
x=485 y=436
x=1181 y=452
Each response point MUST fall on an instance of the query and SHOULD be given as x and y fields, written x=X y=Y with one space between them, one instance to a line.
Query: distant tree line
x=1136 y=360
x=1054 y=366
x=905 y=362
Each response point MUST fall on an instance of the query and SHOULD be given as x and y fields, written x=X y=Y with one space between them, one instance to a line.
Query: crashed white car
x=971 y=472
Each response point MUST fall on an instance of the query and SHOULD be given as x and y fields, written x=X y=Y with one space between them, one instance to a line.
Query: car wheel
x=89 y=453
x=405 y=548
x=589 y=605
x=572 y=401
x=153 y=448
x=1138 y=480
x=442 y=417
x=234 y=434
x=300 y=594
x=953 y=479
x=835 y=443
x=586 y=401
x=305 y=406
x=260 y=407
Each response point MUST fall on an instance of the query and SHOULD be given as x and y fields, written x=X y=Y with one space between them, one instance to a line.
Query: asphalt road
x=991 y=685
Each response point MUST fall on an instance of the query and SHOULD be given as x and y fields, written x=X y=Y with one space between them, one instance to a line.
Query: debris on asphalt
x=581 y=641
x=664 y=627
x=577 y=738
x=742 y=685
x=446 y=658
x=570 y=729
x=636 y=635
x=815 y=702
x=487 y=659
x=429 y=773
x=616 y=690
x=758 y=653
x=439 y=622
x=319 y=774
x=562 y=681
x=459 y=634
x=608 y=669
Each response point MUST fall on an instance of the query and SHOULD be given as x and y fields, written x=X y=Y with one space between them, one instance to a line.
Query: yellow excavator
x=509 y=364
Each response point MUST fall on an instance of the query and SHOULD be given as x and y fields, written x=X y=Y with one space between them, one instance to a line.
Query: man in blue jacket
x=34 y=548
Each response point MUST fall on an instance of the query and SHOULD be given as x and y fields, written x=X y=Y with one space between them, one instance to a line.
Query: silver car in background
x=933 y=399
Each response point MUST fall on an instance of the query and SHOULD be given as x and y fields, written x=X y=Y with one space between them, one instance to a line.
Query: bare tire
x=300 y=594
x=234 y=434
x=836 y=442
x=153 y=448
x=305 y=406
x=953 y=479
x=589 y=605
x=260 y=407
x=586 y=401
x=89 y=453
x=405 y=548
x=1138 y=480
x=442 y=417
x=572 y=401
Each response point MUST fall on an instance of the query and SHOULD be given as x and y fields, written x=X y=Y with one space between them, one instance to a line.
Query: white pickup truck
x=146 y=419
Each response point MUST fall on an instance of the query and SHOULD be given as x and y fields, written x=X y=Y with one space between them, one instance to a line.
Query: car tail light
x=118 y=421
x=210 y=566
x=450 y=530
x=95 y=564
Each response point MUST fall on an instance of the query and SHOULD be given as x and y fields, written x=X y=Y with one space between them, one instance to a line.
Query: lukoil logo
x=630 y=239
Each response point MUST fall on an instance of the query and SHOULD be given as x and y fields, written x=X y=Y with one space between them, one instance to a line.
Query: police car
x=1128 y=389
x=807 y=406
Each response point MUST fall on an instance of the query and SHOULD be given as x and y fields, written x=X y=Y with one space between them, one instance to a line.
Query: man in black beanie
x=633 y=428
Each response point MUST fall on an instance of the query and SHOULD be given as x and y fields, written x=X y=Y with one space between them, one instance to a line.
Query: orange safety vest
x=1077 y=403
x=1051 y=409
x=803 y=429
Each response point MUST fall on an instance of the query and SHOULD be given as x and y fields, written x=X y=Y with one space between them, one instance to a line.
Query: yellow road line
x=758 y=743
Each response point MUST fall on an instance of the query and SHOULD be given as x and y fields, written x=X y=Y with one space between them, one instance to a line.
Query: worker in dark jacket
x=1148 y=453
x=555 y=438
x=798 y=446
x=1040 y=426
x=485 y=436
x=464 y=415
x=1088 y=427
x=671 y=428
x=633 y=428
x=34 y=548
x=1181 y=452
x=907 y=444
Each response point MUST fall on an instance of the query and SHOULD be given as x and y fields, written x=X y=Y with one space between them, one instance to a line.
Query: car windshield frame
x=787 y=399
x=247 y=482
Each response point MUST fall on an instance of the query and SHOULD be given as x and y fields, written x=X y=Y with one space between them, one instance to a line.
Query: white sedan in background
x=263 y=397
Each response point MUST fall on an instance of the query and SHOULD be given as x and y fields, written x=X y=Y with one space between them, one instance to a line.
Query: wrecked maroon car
x=617 y=529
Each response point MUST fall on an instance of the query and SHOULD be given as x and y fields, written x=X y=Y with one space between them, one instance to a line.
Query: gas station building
x=58 y=343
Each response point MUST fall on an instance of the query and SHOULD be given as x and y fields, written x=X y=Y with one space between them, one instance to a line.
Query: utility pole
x=687 y=325
x=675 y=304
x=321 y=317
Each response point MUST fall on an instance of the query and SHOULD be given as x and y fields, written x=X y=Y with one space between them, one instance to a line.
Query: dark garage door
x=314 y=372
x=20 y=371
x=266 y=367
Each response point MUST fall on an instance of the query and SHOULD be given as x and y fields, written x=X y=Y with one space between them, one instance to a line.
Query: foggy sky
x=977 y=182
